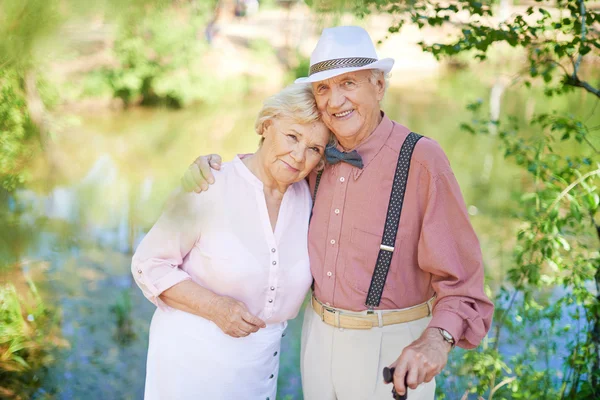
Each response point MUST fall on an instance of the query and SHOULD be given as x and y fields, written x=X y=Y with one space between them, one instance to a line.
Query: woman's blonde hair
x=295 y=102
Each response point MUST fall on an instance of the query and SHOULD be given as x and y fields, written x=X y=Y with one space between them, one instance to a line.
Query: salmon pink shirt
x=436 y=249
x=222 y=239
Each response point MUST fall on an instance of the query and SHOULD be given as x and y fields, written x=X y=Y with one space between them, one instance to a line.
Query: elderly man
x=397 y=267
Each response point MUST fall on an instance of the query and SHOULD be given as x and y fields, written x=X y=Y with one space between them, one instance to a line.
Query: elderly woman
x=227 y=268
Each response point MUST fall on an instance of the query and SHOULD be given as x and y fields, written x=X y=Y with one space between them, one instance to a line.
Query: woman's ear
x=267 y=124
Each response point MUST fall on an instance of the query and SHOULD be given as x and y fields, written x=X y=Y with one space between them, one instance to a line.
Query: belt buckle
x=323 y=309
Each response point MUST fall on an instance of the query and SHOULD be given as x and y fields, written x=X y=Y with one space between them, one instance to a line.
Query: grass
x=29 y=337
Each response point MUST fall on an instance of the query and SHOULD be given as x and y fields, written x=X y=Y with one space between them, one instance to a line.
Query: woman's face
x=291 y=150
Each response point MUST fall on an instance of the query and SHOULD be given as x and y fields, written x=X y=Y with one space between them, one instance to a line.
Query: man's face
x=349 y=105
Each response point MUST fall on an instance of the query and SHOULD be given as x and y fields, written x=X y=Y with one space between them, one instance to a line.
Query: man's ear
x=380 y=86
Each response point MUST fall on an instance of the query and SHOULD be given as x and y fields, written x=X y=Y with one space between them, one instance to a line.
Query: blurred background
x=103 y=106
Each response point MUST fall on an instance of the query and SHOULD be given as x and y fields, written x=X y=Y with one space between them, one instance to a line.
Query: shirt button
x=270 y=300
x=274 y=263
x=332 y=241
x=342 y=179
x=273 y=250
x=328 y=305
x=329 y=273
x=337 y=211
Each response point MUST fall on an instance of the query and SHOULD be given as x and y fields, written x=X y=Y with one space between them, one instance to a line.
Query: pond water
x=115 y=170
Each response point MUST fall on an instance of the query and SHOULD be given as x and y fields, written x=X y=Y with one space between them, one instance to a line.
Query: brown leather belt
x=353 y=320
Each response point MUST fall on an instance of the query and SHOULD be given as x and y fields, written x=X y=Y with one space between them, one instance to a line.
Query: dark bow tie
x=334 y=156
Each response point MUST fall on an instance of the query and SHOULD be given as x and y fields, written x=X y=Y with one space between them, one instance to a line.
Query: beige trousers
x=347 y=364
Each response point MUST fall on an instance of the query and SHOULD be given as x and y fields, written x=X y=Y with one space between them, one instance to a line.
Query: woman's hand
x=233 y=317
x=198 y=175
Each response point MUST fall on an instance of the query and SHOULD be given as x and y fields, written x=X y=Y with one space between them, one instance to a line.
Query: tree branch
x=571 y=186
x=583 y=32
x=498 y=386
x=575 y=81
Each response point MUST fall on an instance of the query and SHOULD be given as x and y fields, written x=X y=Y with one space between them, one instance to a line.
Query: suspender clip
x=387 y=248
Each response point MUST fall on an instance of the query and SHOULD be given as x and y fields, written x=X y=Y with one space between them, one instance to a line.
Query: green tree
x=29 y=30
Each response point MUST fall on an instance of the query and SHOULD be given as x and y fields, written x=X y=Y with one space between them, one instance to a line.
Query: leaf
x=592 y=201
x=583 y=50
x=563 y=242
x=552 y=265
x=467 y=127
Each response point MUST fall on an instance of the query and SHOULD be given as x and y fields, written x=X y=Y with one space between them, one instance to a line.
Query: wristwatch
x=447 y=336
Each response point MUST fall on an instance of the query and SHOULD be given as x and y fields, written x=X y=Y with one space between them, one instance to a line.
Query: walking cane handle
x=388 y=377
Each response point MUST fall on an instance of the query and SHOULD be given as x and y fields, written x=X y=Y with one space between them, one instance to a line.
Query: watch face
x=447 y=335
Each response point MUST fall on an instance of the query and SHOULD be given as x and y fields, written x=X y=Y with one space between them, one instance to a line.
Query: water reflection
x=86 y=227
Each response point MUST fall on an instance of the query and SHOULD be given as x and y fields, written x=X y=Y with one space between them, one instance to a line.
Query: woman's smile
x=288 y=166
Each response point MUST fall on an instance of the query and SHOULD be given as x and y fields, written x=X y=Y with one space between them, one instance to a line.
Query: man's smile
x=343 y=114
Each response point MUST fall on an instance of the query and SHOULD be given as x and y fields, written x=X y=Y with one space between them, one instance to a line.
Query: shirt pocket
x=362 y=259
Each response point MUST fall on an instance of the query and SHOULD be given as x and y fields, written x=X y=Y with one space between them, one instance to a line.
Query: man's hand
x=233 y=317
x=198 y=176
x=421 y=361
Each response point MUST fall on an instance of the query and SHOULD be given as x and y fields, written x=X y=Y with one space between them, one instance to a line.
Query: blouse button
x=274 y=354
x=272 y=287
x=274 y=263
x=273 y=250
x=271 y=377
x=342 y=179
x=270 y=300
x=139 y=271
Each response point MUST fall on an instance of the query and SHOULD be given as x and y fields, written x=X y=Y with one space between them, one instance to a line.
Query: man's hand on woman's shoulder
x=199 y=175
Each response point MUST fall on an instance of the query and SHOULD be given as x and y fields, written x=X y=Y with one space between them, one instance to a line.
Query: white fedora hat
x=341 y=50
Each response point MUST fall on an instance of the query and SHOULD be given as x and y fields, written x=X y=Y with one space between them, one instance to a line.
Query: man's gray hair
x=376 y=74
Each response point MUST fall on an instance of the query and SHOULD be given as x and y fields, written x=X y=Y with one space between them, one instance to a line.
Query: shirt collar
x=246 y=173
x=373 y=144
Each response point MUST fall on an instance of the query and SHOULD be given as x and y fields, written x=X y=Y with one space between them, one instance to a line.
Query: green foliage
x=299 y=69
x=157 y=59
x=556 y=262
x=17 y=132
x=556 y=35
x=154 y=56
x=28 y=341
x=122 y=312
x=22 y=24
x=26 y=25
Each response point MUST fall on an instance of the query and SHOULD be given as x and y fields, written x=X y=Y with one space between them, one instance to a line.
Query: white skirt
x=190 y=357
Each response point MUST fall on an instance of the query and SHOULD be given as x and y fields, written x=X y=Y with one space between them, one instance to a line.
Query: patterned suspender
x=314 y=197
x=392 y=220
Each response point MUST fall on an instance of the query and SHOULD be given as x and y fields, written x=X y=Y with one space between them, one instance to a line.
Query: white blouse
x=222 y=239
